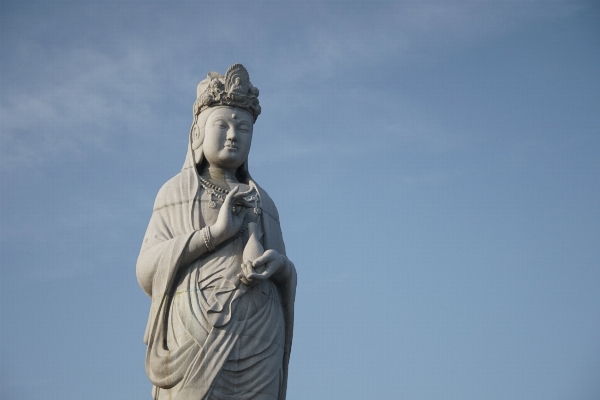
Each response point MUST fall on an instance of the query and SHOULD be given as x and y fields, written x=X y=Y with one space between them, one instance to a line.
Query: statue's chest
x=210 y=205
x=211 y=201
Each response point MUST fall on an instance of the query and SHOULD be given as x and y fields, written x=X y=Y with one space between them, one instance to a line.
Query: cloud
x=371 y=33
x=89 y=107
x=77 y=97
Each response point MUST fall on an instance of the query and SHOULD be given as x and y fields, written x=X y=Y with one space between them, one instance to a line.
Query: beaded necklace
x=220 y=193
x=213 y=190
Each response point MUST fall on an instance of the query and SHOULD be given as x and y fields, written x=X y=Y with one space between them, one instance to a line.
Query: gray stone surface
x=213 y=262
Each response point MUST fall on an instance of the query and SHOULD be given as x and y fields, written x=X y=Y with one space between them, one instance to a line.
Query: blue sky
x=435 y=165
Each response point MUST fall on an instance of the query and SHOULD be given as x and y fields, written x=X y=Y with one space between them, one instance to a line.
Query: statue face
x=227 y=137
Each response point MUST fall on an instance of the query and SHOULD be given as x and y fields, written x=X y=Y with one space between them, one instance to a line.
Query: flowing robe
x=208 y=335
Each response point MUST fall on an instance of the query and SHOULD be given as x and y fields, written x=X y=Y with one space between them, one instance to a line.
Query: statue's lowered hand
x=267 y=265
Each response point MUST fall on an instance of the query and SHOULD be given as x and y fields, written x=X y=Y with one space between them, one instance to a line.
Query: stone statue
x=213 y=262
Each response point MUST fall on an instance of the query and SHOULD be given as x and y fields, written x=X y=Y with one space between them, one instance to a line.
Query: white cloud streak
x=104 y=93
x=89 y=109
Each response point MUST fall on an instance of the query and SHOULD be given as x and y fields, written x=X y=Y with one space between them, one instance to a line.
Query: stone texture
x=213 y=262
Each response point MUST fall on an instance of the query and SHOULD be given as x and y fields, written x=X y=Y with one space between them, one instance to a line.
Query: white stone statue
x=213 y=262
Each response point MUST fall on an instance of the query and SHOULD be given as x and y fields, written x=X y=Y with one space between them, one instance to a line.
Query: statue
x=213 y=262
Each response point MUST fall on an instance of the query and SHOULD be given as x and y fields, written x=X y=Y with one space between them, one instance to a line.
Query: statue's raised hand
x=229 y=222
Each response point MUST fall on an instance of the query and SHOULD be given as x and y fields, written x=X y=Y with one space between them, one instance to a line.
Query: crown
x=234 y=89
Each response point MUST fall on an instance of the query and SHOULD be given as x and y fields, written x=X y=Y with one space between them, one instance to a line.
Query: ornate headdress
x=234 y=89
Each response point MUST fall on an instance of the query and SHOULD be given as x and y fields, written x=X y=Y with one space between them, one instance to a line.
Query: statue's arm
x=197 y=246
x=286 y=273
x=158 y=244
x=227 y=225
x=159 y=234
x=189 y=247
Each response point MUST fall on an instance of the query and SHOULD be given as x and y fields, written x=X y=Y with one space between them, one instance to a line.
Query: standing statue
x=213 y=262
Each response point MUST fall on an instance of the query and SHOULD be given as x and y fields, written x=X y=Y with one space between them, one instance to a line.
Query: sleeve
x=166 y=239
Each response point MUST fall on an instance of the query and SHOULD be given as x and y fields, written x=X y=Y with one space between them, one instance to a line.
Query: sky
x=435 y=165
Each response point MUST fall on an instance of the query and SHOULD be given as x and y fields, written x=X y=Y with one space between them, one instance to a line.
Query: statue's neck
x=220 y=177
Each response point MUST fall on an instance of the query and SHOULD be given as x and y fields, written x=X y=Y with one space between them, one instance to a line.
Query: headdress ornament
x=234 y=89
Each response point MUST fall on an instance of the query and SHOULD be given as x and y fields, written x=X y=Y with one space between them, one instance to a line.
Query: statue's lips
x=231 y=148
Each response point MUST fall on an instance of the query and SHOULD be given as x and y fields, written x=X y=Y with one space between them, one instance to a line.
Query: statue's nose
x=231 y=134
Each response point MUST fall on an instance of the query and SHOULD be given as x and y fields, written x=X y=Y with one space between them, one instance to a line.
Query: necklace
x=220 y=193
x=213 y=190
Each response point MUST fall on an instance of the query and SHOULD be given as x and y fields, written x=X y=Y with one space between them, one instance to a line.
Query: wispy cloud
x=372 y=32
x=94 y=94
x=91 y=107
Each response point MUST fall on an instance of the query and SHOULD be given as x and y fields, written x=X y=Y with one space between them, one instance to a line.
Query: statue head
x=225 y=110
x=227 y=137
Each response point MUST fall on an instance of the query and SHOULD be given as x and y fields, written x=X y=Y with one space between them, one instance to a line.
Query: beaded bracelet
x=207 y=241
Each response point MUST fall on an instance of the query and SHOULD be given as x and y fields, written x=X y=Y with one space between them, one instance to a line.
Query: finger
x=262 y=276
x=259 y=277
x=244 y=269
x=247 y=270
x=266 y=257
x=244 y=203
x=243 y=194
x=227 y=203
x=244 y=280
x=246 y=193
x=270 y=269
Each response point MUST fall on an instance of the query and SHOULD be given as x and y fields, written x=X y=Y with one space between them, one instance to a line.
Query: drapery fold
x=193 y=366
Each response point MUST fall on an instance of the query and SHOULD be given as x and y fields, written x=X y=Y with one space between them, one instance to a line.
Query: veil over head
x=232 y=90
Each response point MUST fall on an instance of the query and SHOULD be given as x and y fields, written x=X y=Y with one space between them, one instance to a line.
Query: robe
x=224 y=346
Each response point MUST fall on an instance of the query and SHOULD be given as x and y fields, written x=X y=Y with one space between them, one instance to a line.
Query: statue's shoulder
x=268 y=205
x=169 y=193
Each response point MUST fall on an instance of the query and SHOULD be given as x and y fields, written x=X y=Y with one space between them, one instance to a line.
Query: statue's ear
x=198 y=156
x=196 y=137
